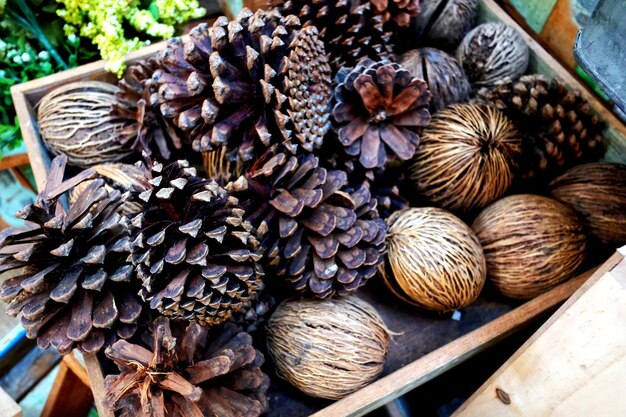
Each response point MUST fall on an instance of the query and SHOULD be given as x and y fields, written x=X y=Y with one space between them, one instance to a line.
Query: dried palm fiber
x=351 y=29
x=67 y=274
x=531 y=244
x=445 y=78
x=493 y=53
x=327 y=349
x=75 y=120
x=559 y=127
x=597 y=192
x=246 y=84
x=434 y=260
x=194 y=254
x=122 y=177
x=467 y=157
x=317 y=231
x=137 y=103
x=379 y=112
x=443 y=23
x=219 y=167
x=181 y=369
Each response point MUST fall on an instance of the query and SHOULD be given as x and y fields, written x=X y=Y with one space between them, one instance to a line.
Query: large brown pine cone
x=182 y=370
x=251 y=82
x=400 y=12
x=379 y=112
x=559 y=125
x=67 y=273
x=196 y=256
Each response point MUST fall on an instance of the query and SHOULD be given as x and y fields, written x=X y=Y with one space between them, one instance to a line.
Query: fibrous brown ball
x=444 y=22
x=531 y=243
x=434 y=260
x=466 y=157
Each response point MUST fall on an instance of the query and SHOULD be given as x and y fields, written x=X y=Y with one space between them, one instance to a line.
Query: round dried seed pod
x=444 y=22
x=466 y=157
x=531 y=244
x=597 y=192
x=493 y=53
x=434 y=260
x=327 y=349
x=76 y=120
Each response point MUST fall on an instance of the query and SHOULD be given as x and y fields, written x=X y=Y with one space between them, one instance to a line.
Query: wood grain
x=69 y=395
x=26 y=371
x=8 y=407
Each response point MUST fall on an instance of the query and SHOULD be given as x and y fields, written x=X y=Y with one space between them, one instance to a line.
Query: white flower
x=43 y=55
x=71 y=38
x=17 y=59
x=25 y=57
x=3 y=45
x=2 y=73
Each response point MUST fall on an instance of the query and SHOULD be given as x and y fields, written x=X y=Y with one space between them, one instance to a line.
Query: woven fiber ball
x=493 y=53
x=466 y=157
x=75 y=120
x=434 y=260
x=444 y=22
x=597 y=192
x=327 y=349
x=531 y=243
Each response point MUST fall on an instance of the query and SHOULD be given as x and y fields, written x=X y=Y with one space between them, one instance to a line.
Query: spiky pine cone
x=67 y=273
x=257 y=80
x=351 y=29
x=379 y=112
x=182 y=370
x=322 y=236
x=559 y=126
x=196 y=256
x=399 y=12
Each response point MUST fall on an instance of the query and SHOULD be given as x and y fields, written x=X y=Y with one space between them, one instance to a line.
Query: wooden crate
x=427 y=345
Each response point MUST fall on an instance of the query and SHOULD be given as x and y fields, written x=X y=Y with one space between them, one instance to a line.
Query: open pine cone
x=183 y=371
x=67 y=273
x=251 y=82
x=399 y=12
x=196 y=256
x=379 y=112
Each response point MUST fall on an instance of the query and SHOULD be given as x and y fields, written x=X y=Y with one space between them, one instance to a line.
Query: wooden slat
x=8 y=407
x=96 y=378
x=13 y=161
x=69 y=396
x=26 y=372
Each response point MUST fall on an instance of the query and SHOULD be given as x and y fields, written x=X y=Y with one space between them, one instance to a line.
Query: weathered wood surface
x=28 y=370
x=69 y=395
x=8 y=407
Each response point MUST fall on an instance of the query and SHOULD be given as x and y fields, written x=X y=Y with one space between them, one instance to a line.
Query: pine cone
x=258 y=80
x=399 y=12
x=182 y=372
x=196 y=257
x=559 y=126
x=351 y=29
x=380 y=111
x=317 y=233
x=137 y=102
x=67 y=273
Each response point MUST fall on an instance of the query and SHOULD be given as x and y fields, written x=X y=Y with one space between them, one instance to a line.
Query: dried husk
x=597 y=192
x=75 y=120
x=493 y=53
x=428 y=271
x=220 y=167
x=444 y=22
x=531 y=243
x=327 y=349
x=466 y=157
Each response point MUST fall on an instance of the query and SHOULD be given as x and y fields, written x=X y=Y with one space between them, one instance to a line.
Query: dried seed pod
x=493 y=53
x=327 y=349
x=443 y=23
x=75 y=120
x=466 y=157
x=445 y=78
x=531 y=244
x=597 y=192
x=434 y=260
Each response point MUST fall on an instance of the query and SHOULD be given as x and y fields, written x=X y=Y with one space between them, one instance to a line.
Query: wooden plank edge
x=77 y=368
x=446 y=357
x=13 y=161
x=96 y=380
x=599 y=273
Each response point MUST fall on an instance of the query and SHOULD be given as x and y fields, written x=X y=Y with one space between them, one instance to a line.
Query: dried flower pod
x=434 y=260
x=443 y=23
x=327 y=349
x=597 y=192
x=466 y=158
x=445 y=78
x=75 y=120
x=493 y=53
x=531 y=244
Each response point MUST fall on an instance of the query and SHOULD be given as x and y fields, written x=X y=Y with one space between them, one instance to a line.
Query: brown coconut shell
x=327 y=349
x=531 y=243
x=434 y=260
x=597 y=192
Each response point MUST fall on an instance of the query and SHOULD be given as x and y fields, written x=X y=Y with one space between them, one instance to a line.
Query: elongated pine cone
x=196 y=256
x=183 y=370
x=66 y=274
x=559 y=126
x=322 y=236
x=379 y=112
x=251 y=82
